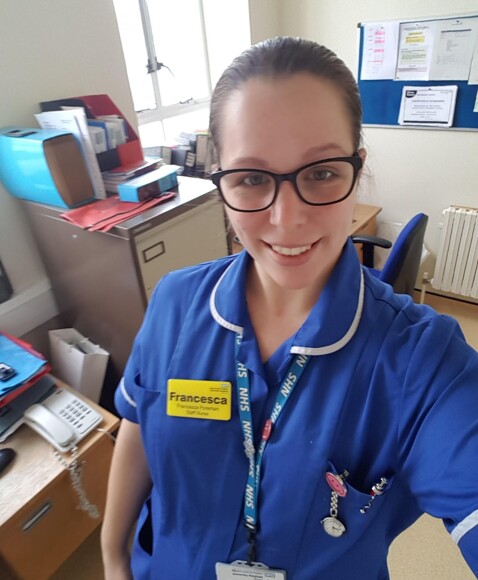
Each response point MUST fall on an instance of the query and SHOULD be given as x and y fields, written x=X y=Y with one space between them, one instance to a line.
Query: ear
x=362 y=153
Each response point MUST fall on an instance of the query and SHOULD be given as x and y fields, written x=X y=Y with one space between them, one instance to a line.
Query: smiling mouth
x=291 y=251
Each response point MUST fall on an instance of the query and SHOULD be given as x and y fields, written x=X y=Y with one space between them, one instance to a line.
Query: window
x=175 y=52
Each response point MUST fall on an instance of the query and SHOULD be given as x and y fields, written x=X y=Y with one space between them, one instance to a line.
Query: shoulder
x=381 y=299
x=180 y=293
x=179 y=303
x=419 y=339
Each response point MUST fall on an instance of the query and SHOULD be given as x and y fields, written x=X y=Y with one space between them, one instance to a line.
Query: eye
x=319 y=174
x=254 y=179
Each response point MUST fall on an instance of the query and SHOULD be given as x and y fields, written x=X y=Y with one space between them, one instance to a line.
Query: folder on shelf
x=74 y=121
x=97 y=106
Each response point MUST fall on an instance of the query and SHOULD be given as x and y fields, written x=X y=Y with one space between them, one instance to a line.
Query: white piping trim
x=465 y=526
x=215 y=314
x=125 y=394
x=329 y=349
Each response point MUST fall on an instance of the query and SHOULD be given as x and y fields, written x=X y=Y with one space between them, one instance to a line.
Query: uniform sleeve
x=124 y=395
x=439 y=432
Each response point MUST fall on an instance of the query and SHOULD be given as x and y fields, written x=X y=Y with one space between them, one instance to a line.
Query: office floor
x=424 y=551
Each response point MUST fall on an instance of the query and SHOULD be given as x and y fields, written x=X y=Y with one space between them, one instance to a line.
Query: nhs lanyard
x=294 y=373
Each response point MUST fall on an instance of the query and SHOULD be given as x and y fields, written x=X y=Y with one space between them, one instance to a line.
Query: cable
x=75 y=476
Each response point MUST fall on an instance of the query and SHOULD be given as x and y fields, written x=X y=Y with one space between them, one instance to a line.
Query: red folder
x=104 y=214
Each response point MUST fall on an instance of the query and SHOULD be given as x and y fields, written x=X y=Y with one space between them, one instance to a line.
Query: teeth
x=291 y=251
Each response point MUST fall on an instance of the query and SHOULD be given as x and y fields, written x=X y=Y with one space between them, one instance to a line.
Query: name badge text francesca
x=199 y=399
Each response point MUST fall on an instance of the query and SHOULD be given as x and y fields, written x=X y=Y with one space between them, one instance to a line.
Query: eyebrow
x=329 y=150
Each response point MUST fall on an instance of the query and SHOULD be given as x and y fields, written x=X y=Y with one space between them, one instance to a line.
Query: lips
x=285 y=251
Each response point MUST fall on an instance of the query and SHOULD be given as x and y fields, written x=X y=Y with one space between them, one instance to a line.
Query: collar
x=331 y=323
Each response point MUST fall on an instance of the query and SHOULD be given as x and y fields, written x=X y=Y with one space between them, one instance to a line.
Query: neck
x=280 y=301
x=276 y=312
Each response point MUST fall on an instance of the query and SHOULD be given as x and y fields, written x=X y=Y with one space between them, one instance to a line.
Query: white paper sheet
x=379 y=57
x=453 y=49
x=473 y=78
x=428 y=106
x=415 y=50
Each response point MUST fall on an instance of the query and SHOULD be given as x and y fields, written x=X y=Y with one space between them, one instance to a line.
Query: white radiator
x=456 y=268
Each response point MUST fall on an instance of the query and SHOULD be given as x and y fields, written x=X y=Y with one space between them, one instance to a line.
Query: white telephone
x=62 y=419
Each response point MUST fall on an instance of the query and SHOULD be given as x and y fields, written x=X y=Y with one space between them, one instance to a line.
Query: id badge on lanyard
x=251 y=568
x=240 y=569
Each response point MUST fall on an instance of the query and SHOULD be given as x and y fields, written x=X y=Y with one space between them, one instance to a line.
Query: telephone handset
x=62 y=419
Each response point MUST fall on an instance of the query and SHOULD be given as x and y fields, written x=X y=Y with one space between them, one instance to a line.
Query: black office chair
x=401 y=268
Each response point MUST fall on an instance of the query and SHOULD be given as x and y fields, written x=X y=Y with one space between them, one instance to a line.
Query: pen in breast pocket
x=377 y=489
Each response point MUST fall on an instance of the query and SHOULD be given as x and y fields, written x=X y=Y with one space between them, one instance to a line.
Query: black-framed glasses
x=321 y=182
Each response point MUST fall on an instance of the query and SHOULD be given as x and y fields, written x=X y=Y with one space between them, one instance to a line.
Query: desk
x=364 y=222
x=365 y=219
x=35 y=480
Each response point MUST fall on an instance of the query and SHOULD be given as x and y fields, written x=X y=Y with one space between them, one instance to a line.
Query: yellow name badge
x=199 y=399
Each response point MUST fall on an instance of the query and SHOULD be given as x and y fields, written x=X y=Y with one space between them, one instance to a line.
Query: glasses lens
x=247 y=190
x=326 y=182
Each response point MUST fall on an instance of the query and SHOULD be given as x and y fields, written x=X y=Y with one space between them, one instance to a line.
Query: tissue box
x=149 y=184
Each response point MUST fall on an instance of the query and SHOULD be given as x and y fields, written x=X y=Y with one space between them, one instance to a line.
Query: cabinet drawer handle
x=46 y=507
x=153 y=252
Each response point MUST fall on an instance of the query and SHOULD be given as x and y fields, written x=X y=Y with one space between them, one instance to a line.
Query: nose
x=288 y=209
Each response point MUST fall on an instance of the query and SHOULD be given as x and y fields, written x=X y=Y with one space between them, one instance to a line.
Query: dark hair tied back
x=282 y=57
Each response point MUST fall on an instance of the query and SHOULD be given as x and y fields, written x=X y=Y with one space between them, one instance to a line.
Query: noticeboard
x=382 y=97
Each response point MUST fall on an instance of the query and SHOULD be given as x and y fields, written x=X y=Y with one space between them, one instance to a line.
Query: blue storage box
x=149 y=184
x=44 y=165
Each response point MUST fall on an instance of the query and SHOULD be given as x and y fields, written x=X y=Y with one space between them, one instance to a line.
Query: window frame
x=162 y=112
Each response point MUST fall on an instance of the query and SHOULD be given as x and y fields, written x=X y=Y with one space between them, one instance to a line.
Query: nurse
x=283 y=407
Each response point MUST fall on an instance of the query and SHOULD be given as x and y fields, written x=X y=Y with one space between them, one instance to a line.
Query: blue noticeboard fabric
x=381 y=98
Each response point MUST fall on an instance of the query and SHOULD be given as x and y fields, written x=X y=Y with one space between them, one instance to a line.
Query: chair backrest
x=401 y=268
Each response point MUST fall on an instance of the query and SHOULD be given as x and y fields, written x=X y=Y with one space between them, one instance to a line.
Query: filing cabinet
x=103 y=281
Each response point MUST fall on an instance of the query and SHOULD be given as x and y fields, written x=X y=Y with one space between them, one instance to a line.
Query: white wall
x=265 y=19
x=50 y=49
x=412 y=170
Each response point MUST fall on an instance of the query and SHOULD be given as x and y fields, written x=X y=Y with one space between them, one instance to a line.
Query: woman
x=283 y=406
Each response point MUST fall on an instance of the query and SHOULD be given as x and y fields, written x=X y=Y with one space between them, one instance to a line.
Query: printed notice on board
x=379 y=56
x=473 y=78
x=428 y=106
x=453 y=49
x=415 y=51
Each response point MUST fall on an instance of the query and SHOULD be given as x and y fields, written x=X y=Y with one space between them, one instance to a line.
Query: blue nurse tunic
x=391 y=390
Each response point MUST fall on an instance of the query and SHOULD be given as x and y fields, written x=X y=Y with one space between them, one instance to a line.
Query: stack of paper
x=114 y=177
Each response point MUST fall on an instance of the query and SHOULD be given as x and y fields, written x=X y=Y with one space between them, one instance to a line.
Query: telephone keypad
x=81 y=417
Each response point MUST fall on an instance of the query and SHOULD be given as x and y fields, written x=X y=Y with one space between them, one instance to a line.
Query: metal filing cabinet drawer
x=181 y=241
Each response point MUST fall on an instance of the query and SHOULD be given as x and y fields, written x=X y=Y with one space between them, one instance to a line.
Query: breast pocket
x=344 y=519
